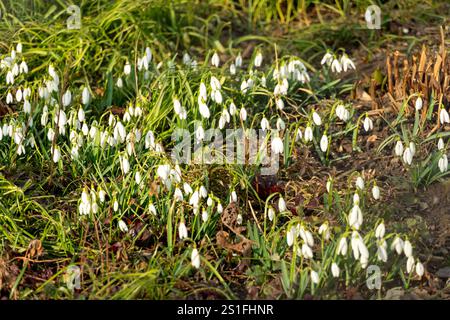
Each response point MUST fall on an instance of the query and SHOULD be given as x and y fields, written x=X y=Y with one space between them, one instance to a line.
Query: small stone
x=443 y=273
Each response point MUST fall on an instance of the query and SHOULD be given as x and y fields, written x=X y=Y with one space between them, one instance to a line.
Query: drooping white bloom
x=290 y=237
x=123 y=226
x=316 y=119
x=355 y=217
x=85 y=96
x=307 y=251
x=27 y=107
x=182 y=231
x=420 y=270
x=360 y=183
x=265 y=124
x=407 y=248
x=282 y=204
x=199 y=134
x=308 y=134
x=347 y=63
x=314 y=277
x=258 y=59
x=412 y=147
x=215 y=60
x=205 y=216
x=335 y=270
x=119 y=83
x=407 y=156
x=376 y=192
x=163 y=171
x=410 y=264
x=342 y=113
x=443 y=163
x=56 y=154
x=232 y=69
x=324 y=143
x=419 y=103
x=336 y=66
x=195 y=258
x=243 y=114
x=19 y=95
x=443 y=116
x=152 y=209
x=279 y=103
x=368 y=124
x=382 y=253
x=66 y=98
x=194 y=199
x=277 y=145
x=327 y=58
x=441 y=144
x=324 y=230
x=9 y=98
x=238 y=60
x=232 y=109
x=204 y=110
x=397 y=244
x=398 y=148
x=271 y=213
x=23 y=67
x=127 y=69
x=124 y=164
x=380 y=230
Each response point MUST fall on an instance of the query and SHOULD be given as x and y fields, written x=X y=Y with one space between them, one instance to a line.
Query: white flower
x=347 y=63
x=324 y=143
x=152 y=209
x=280 y=104
x=420 y=269
x=271 y=213
x=444 y=117
x=407 y=156
x=368 y=124
x=407 y=248
x=219 y=208
x=163 y=171
x=127 y=69
x=119 y=83
x=327 y=58
x=380 y=231
x=238 y=61
x=308 y=134
x=265 y=124
x=290 y=236
x=397 y=244
x=233 y=109
x=314 y=277
x=205 y=215
x=298 y=135
x=215 y=60
x=419 y=103
x=443 y=163
x=410 y=264
x=282 y=204
x=258 y=59
x=195 y=258
x=19 y=47
x=23 y=68
x=9 y=78
x=187 y=188
x=56 y=154
x=67 y=98
x=277 y=145
x=342 y=113
x=335 y=270
x=412 y=147
x=336 y=66
x=199 y=134
x=398 y=148
x=307 y=252
x=360 y=183
x=233 y=197
x=376 y=192
x=233 y=69
x=9 y=98
x=123 y=226
x=203 y=192
x=124 y=164
x=19 y=95
x=85 y=96
x=26 y=107
x=194 y=200
x=441 y=145
x=316 y=119
x=182 y=231
x=382 y=253
x=243 y=114
x=355 y=217
x=204 y=110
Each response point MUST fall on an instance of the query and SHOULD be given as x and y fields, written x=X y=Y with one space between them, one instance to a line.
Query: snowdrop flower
x=280 y=124
x=238 y=61
x=397 y=244
x=56 y=154
x=277 y=145
x=19 y=95
x=50 y=134
x=290 y=237
x=176 y=106
x=182 y=231
x=258 y=59
x=282 y=204
x=233 y=69
x=232 y=109
x=219 y=208
x=265 y=124
x=205 y=215
x=298 y=135
x=398 y=149
x=308 y=134
x=316 y=119
x=441 y=145
x=410 y=264
x=203 y=192
x=123 y=226
x=101 y=195
x=66 y=98
x=209 y=202
x=195 y=258
x=244 y=86
x=279 y=103
x=324 y=230
x=9 y=98
x=26 y=107
x=376 y=192
x=443 y=116
x=407 y=156
x=195 y=199
x=412 y=147
x=127 y=69
x=407 y=248
x=342 y=113
x=420 y=269
x=336 y=66
x=243 y=114
x=119 y=83
x=327 y=58
x=9 y=78
x=419 y=103
x=23 y=67
x=443 y=163
x=347 y=63
x=271 y=213
x=152 y=209
x=360 y=183
x=324 y=143
x=380 y=231
x=187 y=188
x=19 y=47
x=199 y=134
x=163 y=171
x=382 y=253
x=307 y=252
x=148 y=54
x=215 y=60
x=335 y=270
x=233 y=197
x=204 y=110
x=355 y=217
x=314 y=277
x=368 y=124
x=124 y=164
